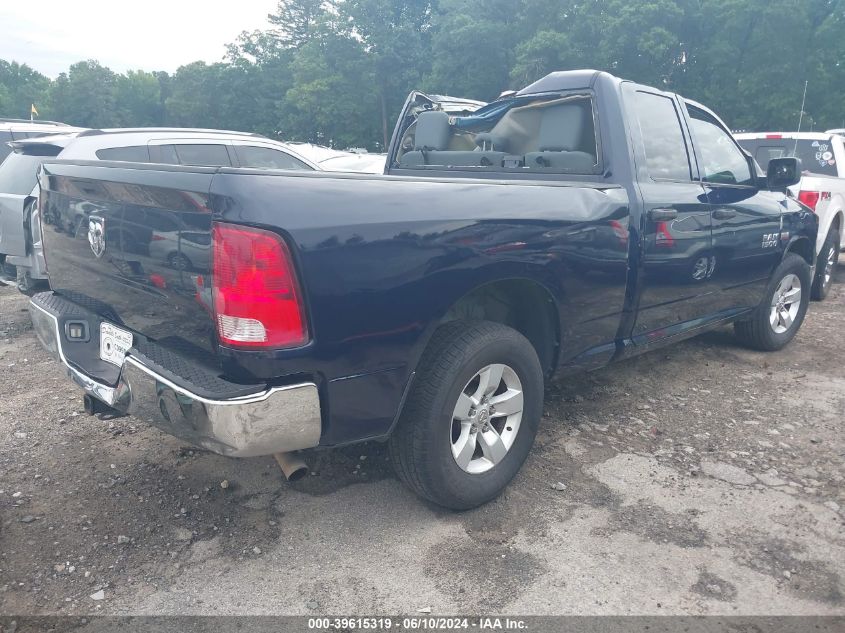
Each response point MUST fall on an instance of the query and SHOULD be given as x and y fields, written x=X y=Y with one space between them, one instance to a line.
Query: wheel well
x=524 y=305
x=836 y=225
x=803 y=248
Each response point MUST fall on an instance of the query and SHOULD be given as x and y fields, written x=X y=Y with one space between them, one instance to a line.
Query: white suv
x=20 y=239
x=822 y=187
x=19 y=129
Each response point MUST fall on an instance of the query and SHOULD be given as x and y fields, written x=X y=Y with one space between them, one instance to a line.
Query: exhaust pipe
x=292 y=466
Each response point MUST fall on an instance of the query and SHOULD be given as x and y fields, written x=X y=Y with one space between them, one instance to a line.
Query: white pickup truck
x=822 y=187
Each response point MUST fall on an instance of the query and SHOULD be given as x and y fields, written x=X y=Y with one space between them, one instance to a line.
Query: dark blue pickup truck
x=579 y=221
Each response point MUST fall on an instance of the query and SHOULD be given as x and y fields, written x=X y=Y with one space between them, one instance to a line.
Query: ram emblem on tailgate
x=97 y=235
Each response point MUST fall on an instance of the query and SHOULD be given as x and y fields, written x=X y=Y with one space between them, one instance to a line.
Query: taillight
x=157 y=238
x=810 y=198
x=256 y=298
x=663 y=236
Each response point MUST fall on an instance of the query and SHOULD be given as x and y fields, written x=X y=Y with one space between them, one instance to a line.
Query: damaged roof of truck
x=561 y=81
x=564 y=80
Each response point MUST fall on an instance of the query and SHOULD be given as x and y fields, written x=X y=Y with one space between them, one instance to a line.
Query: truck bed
x=380 y=260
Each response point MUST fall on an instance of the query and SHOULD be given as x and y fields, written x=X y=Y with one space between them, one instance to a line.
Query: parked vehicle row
x=577 y=222
x=20 y=243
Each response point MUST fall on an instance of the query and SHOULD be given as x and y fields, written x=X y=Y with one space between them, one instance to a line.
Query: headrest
x=432 y=131
x=489 y=141
x=561 y=127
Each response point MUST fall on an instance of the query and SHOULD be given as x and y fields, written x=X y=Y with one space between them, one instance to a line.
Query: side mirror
x=783 y=173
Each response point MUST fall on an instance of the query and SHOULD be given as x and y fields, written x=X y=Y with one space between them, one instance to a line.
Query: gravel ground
x=700 y=479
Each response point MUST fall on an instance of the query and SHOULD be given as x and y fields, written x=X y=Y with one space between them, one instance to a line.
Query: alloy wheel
x=486 y=418
x=786 y=301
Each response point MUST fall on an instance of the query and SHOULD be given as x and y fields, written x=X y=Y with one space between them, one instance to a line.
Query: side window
x=134 y=154
x=161 y=221
x=722 y=162
x=164 y=154
x=663 y=140
x=267 y=158
x=203 y=155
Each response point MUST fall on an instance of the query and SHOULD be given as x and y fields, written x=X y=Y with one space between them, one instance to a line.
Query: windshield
x=816 y=155
x=18 y=173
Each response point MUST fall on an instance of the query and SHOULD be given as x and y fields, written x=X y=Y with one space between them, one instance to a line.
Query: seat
x=431 y=138
x=493 y=148
x=561 y=131
x=431 y=134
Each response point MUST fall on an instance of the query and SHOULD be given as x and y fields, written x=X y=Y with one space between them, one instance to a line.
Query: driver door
x=745 y=220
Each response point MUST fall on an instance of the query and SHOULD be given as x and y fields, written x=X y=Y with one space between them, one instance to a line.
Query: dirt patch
x=655 y=524
x=813 y=579
x=711 y=586
x=489 y=576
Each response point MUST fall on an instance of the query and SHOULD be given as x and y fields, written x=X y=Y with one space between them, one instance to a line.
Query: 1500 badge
x=770 y=240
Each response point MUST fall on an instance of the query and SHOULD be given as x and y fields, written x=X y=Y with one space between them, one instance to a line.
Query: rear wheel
x=779 y=316
x=826 y=265
x=179 y=262
x=471 y=416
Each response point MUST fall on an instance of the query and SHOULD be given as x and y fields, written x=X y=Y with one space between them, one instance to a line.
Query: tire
x=759 y=332
x=826 y=265
x=177 y=261
x=423 y=443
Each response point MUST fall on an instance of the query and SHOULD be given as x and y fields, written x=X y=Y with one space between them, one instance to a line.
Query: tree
x=473 y=45
x=194 y=92
x=338 y=71
x=297 y=21
x=138 y=99
x=20 y=87
x=85 y=96
x=331 y=101
x=396 y=35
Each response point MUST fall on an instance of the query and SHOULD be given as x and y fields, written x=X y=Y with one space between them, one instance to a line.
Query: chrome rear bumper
x=279 y=419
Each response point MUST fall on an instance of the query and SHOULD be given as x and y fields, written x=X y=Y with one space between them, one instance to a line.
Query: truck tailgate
x=142 y=250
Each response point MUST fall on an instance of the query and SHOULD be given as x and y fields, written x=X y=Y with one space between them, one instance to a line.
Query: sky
x=50 y=35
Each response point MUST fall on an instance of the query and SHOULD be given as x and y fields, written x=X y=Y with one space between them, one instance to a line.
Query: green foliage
x=85 y=96
x=138 y=98
x=331 y=101
x=338 y=71
x=20 y=88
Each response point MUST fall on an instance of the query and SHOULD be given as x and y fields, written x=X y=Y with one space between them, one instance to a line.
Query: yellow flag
x=32 y=110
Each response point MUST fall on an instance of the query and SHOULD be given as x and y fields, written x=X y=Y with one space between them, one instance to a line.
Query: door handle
x=723 y=214
x=661 y=215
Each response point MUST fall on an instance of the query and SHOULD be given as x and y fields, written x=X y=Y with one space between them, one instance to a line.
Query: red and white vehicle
x=822 y=187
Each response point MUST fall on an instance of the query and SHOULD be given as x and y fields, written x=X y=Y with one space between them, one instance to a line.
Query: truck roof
x=564 y=80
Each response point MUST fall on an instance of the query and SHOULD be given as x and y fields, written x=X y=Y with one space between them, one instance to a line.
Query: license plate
x=114 y=343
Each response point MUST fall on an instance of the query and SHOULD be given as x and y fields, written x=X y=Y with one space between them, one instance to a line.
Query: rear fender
x=490 y=275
